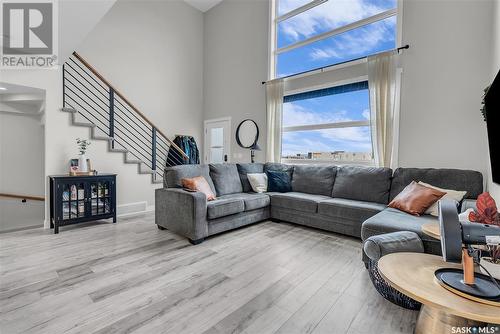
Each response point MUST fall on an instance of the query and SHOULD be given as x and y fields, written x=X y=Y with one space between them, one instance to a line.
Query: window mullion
x=299 y=10
x=324 y=126
x=340 y=30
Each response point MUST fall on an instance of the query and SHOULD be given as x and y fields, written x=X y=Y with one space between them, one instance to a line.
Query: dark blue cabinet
x=77 y=199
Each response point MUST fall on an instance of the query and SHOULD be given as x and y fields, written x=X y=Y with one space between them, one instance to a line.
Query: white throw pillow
x=258 y=181
x=450 y=194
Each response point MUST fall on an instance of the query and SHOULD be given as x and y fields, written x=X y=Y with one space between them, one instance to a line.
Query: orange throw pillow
x=415 y=199
x=198 y=183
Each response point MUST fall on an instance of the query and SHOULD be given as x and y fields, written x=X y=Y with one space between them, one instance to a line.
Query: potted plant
x=487 y=213
x=83 y=144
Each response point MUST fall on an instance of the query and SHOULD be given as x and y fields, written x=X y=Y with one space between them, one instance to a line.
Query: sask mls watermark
x=29 y=34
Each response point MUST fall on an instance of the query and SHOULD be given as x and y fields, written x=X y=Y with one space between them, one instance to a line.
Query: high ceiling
x=203 y=5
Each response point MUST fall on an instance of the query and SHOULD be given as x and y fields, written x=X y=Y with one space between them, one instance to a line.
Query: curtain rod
x=324 y=67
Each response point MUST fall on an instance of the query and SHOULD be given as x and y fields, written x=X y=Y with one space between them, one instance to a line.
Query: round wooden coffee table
x=413 y=275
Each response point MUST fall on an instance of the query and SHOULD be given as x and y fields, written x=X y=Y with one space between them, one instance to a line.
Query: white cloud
x=356 y=42
x=366 y=114
x=355 y=139
x=333 y=14
x=325 y=53
x=294 y=114
x=327 y=16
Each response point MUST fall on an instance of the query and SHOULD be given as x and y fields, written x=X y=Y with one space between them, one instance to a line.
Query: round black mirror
x=247 y=134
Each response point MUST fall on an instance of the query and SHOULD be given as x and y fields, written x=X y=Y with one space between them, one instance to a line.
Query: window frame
x=275 y=19
x=331 y=125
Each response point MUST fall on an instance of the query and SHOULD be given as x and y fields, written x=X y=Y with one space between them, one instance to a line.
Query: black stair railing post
x=112 y=115
x=153 y=151
x=64 y=87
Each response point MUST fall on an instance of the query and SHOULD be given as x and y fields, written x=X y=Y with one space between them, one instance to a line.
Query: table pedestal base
x=432 y=320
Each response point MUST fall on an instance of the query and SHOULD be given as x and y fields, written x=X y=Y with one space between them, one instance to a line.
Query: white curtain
x=382 y=86
x=274 y=97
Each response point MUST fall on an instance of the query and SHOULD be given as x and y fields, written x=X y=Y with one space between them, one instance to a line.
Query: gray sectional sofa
x=351 y=200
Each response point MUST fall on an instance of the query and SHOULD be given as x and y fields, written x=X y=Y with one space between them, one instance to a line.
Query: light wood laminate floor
x=131 y=277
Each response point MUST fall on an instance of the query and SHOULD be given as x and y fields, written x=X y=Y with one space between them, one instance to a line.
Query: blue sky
x=370 y=39
x=353 y=106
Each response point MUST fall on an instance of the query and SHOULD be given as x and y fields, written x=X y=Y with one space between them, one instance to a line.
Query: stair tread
x=102 y=137
x=119 y=150
x=89 y=125
x=68 y=110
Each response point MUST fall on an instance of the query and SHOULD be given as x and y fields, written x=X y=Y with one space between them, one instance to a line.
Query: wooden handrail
x=30 y=197
x=117 y=92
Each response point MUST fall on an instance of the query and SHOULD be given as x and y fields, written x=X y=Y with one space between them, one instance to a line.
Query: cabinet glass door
x=73 y=200
x=100 y=197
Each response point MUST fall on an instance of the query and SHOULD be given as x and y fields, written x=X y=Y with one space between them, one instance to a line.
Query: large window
x=313 y=34
x=328 y=125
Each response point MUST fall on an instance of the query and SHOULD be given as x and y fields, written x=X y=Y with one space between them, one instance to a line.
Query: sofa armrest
x=402 y=241
x=468 y=204
x=182 y=212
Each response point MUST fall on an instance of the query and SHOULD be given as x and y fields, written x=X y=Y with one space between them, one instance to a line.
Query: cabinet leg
x=56 y=228
x=114 y=219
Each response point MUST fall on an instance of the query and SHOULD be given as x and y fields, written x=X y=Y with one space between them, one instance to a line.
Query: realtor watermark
x=492 y=329
x=29 y=34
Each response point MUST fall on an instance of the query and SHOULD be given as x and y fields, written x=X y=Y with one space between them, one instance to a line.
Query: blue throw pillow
x=279 y=181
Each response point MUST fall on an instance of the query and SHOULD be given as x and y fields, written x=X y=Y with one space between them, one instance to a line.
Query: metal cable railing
x=114 y=117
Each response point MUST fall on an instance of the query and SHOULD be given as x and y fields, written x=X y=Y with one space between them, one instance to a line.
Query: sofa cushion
x=392 y=220
x=226 y=179
x=224 y=207
x=173 y=175
x=349 y=209
x=298 y=201
x=252 y=201
x=368 y=184
x=457 y=179
x=313 y=179
x=248 y=168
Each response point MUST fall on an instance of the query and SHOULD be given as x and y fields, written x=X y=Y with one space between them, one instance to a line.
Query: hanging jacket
x=188 y=145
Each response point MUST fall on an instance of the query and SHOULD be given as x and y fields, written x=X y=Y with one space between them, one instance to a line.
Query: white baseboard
x=124 y=210
x=130 y=209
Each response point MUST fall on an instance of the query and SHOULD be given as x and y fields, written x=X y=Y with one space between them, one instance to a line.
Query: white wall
x=76 y=19
x=494 y=188
x=22 y=171
x=444 y=75
x=236 y=57
x=152 y=52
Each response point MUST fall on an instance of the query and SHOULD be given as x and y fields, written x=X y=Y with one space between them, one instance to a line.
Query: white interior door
x=217 y=140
